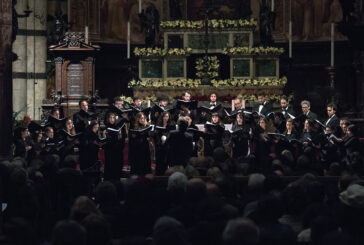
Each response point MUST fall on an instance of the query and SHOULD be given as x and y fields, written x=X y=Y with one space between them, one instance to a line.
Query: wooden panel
x=75 y=81
x=64 y=77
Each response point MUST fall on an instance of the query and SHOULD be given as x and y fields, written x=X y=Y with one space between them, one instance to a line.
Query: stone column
x=20 y=65
x=5 y=78
x=29 y=73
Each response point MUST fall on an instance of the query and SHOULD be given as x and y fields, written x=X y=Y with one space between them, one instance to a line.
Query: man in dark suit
x=179 y=144
x=306 y=106
x=333 y=121
x=263 y=106
x=286 y=109
x=161 y=105
x=212 y=104
x=121 y=114
x=82 y=119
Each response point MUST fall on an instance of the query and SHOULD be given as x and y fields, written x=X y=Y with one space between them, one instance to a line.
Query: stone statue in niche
x=61 y=26
x=266 y=20
x=149 y=22
x=15 y=26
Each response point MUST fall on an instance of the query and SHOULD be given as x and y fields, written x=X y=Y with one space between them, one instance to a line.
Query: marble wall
x=29 y=71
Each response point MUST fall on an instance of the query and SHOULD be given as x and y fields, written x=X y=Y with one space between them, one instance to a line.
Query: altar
x=171 y=70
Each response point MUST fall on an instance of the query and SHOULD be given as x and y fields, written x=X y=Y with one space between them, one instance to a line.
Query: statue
x=60 y=27
x=15 y=26
x=348 y=9
x=266 y=19
x=149 y=21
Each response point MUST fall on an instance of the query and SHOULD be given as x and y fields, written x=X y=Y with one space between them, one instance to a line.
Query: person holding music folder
x=161 y=131
x=159 y=108
x=121 y=114
x=92 y=145
x=28 y=123
x=263 y=106
x=69 y=137
x=240 y=135
x=286 y=109
x=179 y=144
x=55 y=121
x=114 y=147
x=138 y=107
x=351 y=140
x=333 y=121
x=238 y=105
x=290 y=131
x=306 y=106
x=139 y=151
x=309 y=132
x=52 y=145
x=186 y=105
x=38 y=143
x=206 y=110
x=289 y=139
x=214 y=132
x=279 y=121
x=196 y=135
x=81 y=119
x=262 y=143
x=23 y=144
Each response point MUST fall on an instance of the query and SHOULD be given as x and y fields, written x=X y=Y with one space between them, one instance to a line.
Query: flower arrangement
x=126 y=100
x=195 y=83
x=148 y=52
x=269 y=97
x=249 y=82
x=214 y=24
x=183 y=83
x=212 y=67
x=253 y=51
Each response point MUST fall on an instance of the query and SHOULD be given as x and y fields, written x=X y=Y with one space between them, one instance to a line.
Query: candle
x=332 y=44
x=232 y=106
x=290 y=40
x=69 y=11
x=140 y=6
x=243 y=104
x=86 y=34
x=149 y=117
x=272 y=5
x=128 y=42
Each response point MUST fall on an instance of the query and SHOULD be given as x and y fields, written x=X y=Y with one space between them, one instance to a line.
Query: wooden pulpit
x=75 y=70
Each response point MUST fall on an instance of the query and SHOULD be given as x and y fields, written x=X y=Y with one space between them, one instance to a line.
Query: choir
x=152 y=134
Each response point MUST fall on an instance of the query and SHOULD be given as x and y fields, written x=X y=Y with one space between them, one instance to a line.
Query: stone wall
x=5 y=78
x=29 y=71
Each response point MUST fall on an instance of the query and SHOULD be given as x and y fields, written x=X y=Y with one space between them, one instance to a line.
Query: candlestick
x=332 y=45
x=86 y=34
x=290 y=40
x=128 y=41
x=69 y=11
x=140 y=6
x=272 y=5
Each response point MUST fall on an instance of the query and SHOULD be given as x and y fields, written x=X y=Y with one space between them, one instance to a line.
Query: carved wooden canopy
x=74 y=41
